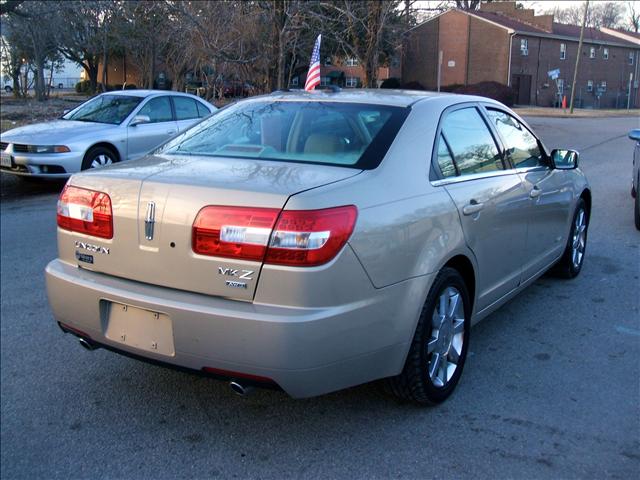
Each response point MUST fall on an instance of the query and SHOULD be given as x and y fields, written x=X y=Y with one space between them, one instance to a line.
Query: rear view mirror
x=635 y=134
x=565 y=159
x=138 y=119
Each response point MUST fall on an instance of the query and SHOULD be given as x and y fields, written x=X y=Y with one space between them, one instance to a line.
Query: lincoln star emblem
x=149 y=220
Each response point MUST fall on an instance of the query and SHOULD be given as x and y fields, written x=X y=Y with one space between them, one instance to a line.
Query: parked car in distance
x=313 y=241
x=108 y=128
x=8 y=88
x=635 y=176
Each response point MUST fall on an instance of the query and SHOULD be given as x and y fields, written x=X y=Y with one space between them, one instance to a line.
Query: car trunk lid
x=155 y=203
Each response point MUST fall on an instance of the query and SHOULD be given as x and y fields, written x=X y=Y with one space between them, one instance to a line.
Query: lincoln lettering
x=92 y=248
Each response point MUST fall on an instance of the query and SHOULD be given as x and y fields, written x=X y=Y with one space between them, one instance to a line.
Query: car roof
x=148 y=93
x=398 y=98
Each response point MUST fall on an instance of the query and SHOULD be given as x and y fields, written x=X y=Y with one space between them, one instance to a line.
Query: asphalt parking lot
x=551 y=388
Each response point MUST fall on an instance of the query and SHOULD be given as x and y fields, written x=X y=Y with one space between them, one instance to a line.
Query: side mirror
x=565 y=159
x=635 y=134
x=138 y=119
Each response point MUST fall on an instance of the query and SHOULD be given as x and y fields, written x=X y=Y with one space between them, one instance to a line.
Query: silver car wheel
x=447 y=337
x=579 y=238
x=101 y=161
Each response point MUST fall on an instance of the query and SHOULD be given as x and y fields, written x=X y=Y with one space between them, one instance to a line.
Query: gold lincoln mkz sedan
x=315 y=241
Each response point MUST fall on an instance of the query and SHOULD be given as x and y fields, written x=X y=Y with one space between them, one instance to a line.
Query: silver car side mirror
x=138 y=119
x=635 y=134
x=565 y=159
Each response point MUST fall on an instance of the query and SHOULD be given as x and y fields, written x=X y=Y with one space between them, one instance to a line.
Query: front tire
x=98 y=157
x=570 y=264
x=439 y=347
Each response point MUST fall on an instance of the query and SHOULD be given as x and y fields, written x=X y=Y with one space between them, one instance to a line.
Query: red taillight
x=310 y=237
x=233 y=232
x=85 y=211
x=300 y=237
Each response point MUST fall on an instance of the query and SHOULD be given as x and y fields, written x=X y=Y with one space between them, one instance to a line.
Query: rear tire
x=570 y=264
x=439 y=347
x=97 y=157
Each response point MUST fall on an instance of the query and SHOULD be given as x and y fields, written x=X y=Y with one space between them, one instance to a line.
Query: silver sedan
x=316 y=241
x=106 y=129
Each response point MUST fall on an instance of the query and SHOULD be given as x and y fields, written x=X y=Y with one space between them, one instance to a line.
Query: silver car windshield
x=113 y=109
x=334 y=133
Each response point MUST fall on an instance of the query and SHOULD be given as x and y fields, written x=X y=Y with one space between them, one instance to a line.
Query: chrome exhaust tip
x=240 y=389
x=88 y=345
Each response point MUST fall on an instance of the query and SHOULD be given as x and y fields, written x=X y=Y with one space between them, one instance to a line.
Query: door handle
x=170 y=132
x=472 y=207
x=535 y=192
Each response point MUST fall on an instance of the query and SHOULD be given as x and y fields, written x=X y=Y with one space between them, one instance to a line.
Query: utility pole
x=575 y=71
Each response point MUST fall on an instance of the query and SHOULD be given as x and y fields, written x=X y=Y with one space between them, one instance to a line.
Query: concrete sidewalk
x=577 y=112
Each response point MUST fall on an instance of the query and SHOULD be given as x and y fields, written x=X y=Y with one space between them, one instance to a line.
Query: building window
x=560 y=85
x=563 y=51
x=605 y=54
x=524 y=46
x=324 y=81
x=294 y=81
x=589 y=85
x=603 y=85
x=327 y=61
x=630 y=58
x=351 y=62
x=351 y=82
x=592 y=52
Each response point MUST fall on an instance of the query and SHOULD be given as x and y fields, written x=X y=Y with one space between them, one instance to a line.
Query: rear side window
x=202 y=110
x=186 y=108
x=472 y=145
x=520 y=144
x=158 y=110
x=445 y=160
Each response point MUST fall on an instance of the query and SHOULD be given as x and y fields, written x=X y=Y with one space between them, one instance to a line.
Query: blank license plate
x=5 y=160
x=139 y=328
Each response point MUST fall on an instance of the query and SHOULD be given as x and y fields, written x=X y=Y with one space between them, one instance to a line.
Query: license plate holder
x=140 y=328
x=6 y=160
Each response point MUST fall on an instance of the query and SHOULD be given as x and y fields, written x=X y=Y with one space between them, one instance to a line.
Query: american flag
x=313 y=77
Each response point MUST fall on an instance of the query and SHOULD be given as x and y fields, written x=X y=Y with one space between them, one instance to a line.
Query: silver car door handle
x=472 y=208
x=170 y=132
x=535 y=192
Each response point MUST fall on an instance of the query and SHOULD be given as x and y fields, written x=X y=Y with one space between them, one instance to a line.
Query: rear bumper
x=305 y=351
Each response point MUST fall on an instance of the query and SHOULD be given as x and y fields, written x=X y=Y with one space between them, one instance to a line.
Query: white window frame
x=605 y=53
x=324 y=81
x=603 y=85
x=524 y=46
x=351 y=62
x=630 y=58
x=295 y=81
x=563 y=51
x=351 y=82
x=592 y=52
x=589 y=85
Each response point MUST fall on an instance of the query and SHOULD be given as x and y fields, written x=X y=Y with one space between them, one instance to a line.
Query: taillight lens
x=85 y=211
x=300 y=237
x=233 y=232
x=310 y=237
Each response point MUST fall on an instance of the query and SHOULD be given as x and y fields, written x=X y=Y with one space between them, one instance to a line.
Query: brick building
x=515 y=47
x=345 y=72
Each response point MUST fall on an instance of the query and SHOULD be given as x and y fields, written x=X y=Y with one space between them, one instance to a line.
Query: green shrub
x=391 y=83
x=83 y=86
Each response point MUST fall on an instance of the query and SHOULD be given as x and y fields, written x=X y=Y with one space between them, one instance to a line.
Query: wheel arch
x=464 y=266
x=108 y=145
x=586 y=196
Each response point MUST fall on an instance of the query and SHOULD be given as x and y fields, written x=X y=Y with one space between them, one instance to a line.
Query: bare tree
x=633 y=20
x=606 y=14
x=367 y=30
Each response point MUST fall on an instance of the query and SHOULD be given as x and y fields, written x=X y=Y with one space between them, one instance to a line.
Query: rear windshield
x=332 y=133
x=111 y=109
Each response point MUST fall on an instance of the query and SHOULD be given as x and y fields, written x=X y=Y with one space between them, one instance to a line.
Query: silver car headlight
x=48 y=149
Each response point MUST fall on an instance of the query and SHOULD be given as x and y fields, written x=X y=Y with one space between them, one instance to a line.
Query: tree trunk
x=39 y=87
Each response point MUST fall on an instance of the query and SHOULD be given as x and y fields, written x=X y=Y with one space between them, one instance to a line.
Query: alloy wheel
x=447 y=337
x=579 y=238
x=101 y=161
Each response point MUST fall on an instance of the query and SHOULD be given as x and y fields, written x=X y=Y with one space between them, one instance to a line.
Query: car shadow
x=13 y=187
